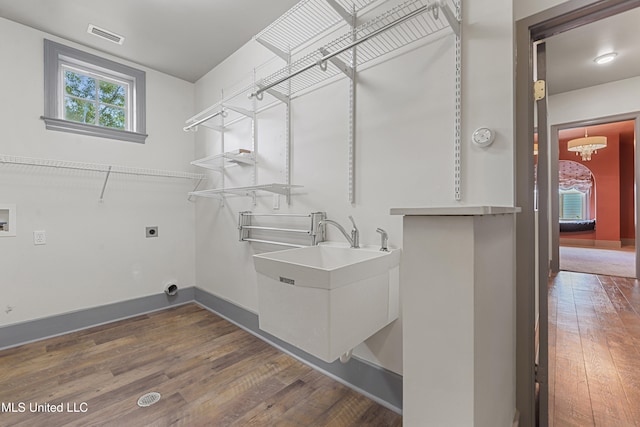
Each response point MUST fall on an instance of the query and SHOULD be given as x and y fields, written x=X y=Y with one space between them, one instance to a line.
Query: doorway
x=593 y=218
x=532 y=277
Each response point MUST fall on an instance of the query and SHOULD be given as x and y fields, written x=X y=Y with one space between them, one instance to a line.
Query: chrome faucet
x=354 y=239
x=384 y=240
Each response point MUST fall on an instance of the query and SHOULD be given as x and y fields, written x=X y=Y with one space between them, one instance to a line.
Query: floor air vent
x=148 y=399
x=105 y=34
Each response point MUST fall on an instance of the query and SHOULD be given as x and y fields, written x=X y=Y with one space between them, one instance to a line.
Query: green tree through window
x=90 y=100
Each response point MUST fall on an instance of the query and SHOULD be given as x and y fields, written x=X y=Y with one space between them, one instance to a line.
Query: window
x=90 y=95
x=573 y=205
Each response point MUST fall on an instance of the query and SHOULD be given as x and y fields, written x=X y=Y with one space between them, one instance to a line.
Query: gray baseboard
x=379 y=384
x=48 y=327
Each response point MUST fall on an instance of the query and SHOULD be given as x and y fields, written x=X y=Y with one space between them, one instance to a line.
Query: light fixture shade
x=606 y=58
x=587 y=145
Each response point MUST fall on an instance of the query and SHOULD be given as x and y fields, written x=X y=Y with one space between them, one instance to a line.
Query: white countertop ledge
x=456 y=211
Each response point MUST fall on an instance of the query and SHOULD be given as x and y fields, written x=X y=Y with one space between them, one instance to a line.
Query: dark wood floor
x=594 y=351
x=208 y=371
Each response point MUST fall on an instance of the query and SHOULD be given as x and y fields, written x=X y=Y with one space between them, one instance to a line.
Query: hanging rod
x=277 y=214
x=190 y=126
x=96 y=167
x=321 y=63
x=288 y=230
x=270 y=242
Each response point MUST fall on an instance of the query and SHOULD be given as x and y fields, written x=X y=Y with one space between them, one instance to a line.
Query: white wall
x=96 y=253
x=611 y=98
x=526 y=8
x=405 y=157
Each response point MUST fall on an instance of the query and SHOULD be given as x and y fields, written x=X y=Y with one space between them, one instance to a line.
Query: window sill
x=92 y=130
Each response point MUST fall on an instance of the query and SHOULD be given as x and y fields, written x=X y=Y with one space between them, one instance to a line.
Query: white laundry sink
x=327 y=299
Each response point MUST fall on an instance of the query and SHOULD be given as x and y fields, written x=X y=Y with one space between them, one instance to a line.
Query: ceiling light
x=606 y=58
x=105 y=34
x=587 y=146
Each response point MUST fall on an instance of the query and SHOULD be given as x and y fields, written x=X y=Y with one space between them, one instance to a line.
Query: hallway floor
x=594 y=350
x=619 y=262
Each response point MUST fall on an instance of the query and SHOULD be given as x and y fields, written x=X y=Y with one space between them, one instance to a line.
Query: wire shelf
x=218 y=193
x=408 y=22
x=306 y=20
x=96 y=167
x=218 y=162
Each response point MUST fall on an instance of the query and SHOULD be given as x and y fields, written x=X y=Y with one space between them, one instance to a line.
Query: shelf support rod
x=340 y=10
x=287 y=136
x=457 y=143
x=279 y=52
x=450 y=16
x=321 y=61
x=352 y=114
x=222 y=177
x=104 y=185
x=214 y=127
x=240 y=110
x=278 y=95
x=190 y=198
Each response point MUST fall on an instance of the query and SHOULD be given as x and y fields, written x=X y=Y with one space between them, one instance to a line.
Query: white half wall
x=96 y=253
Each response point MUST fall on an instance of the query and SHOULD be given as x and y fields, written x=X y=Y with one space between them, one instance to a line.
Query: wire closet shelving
x=398 y=27
x=305 y=21
x=294 y=38
x=98 y=167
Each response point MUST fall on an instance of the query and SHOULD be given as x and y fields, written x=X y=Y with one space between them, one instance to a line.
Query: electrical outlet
x=39 y=237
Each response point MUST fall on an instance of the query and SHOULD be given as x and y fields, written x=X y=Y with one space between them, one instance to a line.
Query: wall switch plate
x=152 y=231
x=39 y=237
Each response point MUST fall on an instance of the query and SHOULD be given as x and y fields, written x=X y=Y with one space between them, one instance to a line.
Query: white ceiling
x=182 y=38
x=570 y=55
x=187 y=38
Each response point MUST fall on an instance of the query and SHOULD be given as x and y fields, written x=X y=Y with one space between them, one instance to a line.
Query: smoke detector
x=105 y=34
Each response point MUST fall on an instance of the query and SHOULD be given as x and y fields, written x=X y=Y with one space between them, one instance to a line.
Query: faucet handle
x=384 y=238
x=353 y=222
x=355 y=234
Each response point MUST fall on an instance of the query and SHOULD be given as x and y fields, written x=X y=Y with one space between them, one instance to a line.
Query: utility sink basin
x=327 y=299
x=325 y=266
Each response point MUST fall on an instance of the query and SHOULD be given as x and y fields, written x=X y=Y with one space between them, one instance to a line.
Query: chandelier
x=587 y=146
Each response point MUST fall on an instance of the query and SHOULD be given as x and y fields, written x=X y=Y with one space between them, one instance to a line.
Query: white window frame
x=99 y=77
x=585 y=204
x=57 y=58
